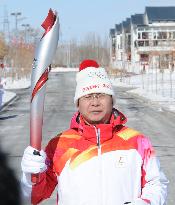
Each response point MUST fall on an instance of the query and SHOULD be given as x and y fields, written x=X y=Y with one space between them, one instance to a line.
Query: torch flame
x=48 y=22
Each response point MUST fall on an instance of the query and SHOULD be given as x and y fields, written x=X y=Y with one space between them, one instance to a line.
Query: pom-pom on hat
x=92 y=78
x=88 y=63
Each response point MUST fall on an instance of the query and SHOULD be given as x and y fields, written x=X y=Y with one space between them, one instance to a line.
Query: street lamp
x=16 y=14
x=25 y=30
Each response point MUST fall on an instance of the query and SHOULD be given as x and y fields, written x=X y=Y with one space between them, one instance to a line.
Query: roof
x=160 y=13
x=137 y=19
x=127 y=25
x=118 y=28
x=112 y=32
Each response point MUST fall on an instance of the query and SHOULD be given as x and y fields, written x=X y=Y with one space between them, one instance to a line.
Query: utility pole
x=6 y=26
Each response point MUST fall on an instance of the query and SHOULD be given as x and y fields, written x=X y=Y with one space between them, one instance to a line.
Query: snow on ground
x=158 y=88
x=62 y=69
x=8 y=83
x=6 y=87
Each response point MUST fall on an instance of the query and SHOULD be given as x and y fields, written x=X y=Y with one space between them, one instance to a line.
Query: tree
x=3 y=48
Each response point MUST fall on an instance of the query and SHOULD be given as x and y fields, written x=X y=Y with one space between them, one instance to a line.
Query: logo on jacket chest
x=121 y=161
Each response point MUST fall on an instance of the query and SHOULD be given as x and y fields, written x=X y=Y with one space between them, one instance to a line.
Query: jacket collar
x=90 y=132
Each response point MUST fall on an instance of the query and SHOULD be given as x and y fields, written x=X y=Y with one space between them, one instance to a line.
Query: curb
x=7 y=102
x=155 y=104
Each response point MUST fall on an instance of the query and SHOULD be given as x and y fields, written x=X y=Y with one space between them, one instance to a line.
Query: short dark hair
x=9 y=185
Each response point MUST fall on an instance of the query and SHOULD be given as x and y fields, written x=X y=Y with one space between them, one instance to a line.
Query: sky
x=77 y=17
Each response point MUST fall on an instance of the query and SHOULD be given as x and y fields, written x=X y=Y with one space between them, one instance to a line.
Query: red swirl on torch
x=40 y=83
x=44 y=54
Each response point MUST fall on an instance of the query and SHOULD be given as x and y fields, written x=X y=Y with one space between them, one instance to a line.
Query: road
x=59 y=107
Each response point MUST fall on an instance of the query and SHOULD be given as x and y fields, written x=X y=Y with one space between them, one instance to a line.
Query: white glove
x=33 y=163
x=137 y=202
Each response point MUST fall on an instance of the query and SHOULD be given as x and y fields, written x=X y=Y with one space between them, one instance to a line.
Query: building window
x=154 y=35
x=145 y=35
x=162 y=35
x=155 y=43
x=146 y=43
x=140 y=43
x=139 y=35
x=144 y=57
x=173 y=34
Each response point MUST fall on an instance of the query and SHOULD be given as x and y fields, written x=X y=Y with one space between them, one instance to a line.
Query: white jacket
x=103 y=165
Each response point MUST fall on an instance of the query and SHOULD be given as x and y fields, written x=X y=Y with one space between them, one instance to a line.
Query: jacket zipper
x=100 y=167
x=98 y=141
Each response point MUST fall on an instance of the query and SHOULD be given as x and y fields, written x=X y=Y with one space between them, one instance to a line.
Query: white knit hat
x=92 y=79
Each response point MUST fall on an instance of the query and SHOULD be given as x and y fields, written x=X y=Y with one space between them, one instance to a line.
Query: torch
x=44 y=54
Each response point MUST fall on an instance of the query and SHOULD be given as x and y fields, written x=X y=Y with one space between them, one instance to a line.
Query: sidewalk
x=163 y=103
x=7 y=96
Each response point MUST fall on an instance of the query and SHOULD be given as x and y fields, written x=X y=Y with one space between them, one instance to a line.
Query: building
x=144 y=40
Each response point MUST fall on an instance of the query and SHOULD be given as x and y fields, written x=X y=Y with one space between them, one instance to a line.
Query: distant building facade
x=144 y=40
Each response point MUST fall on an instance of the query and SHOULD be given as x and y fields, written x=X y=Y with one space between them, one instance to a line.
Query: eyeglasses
x=98 y=96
